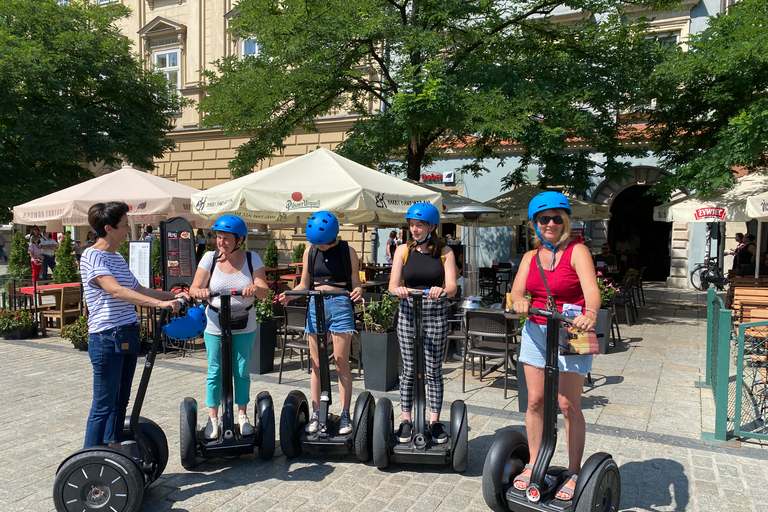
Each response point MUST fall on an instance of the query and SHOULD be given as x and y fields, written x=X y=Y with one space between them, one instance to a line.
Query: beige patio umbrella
x=150 y=198
x=288 y=193
x=743 y=201
x=514 y=204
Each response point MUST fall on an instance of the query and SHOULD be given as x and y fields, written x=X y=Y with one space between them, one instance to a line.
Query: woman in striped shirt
x=111 y=293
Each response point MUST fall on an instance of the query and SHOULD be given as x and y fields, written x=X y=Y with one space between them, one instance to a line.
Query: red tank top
x=563 y=283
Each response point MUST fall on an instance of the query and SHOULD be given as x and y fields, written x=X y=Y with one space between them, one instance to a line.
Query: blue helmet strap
x=547 y=244
x=423 y=240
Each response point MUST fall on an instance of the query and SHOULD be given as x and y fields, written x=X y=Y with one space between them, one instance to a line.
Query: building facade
x=181 y=38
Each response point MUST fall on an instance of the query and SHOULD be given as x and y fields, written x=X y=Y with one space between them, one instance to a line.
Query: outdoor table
x=374 y=285
x=292 y=280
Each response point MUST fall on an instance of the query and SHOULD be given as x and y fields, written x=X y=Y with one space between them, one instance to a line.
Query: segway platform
x=230 y=442
x=296 y=410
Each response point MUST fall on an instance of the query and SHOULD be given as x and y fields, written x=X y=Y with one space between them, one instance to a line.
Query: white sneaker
x=346 y=425
x=245 y=426
x=314 y=422
x=212 y=428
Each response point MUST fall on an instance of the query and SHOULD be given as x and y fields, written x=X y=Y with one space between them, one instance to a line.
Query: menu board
x=139 y=261
x=179 y=264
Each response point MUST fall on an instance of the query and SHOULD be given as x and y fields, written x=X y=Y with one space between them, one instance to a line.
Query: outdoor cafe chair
x=295 y=322
x=488 y=336
x=623 y=297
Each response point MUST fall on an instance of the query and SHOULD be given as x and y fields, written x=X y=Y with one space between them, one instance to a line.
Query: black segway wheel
x=158 y=442
x=459 y=436
x=383 y=426
x=602 y=490
x=505 y=460
x=293 y=418
x=265 y=427
x=188 y=433
x=364 y=413
x=98 y=479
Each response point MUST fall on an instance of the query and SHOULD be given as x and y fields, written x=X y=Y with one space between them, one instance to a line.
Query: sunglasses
x=543 y=220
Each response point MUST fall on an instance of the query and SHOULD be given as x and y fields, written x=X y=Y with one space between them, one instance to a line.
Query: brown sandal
x=523 y=479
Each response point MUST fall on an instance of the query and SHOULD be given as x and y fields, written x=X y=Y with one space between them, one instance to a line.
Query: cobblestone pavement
x=642 y=407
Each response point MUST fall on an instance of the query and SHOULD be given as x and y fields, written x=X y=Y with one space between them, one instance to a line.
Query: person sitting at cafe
x=605 y=259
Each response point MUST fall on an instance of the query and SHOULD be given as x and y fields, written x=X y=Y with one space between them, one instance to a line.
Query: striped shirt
x=105 y=310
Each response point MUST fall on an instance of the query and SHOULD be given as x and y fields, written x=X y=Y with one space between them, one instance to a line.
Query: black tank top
x=328 y=267
x=422 y=271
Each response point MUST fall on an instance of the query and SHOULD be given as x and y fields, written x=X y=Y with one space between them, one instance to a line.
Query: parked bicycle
x=708 y=273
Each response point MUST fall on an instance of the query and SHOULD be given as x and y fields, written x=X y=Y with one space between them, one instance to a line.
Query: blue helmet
x=231 y=224
x=425 y=212
x=322 y=228
x=547 y=201
x=188 y=327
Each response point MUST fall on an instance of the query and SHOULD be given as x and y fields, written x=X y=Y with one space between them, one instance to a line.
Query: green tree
x=65 y=270
x=73 y=93
x=19 y=266
x=711 y=111
x=270 y=255
x=443 y=74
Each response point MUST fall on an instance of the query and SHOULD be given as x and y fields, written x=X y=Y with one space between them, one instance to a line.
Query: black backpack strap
x=216 y=256
x=311 y=263
x=346 y=262
x=250 y=263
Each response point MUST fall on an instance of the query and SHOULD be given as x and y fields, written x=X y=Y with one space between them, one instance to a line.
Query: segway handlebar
x=551 y=314
x=325 y=293
x=415 y=293
x=233 y=293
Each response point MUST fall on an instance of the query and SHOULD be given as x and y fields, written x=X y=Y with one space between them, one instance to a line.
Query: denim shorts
x=533 y=350
x=339 y=316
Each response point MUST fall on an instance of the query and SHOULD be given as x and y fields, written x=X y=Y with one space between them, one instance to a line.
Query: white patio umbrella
x=150 y=198
x=730 y=206
x=757 y=208
x=514 y=204
x=288 y=193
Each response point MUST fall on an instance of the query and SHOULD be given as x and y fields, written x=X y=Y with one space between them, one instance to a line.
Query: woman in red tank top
x=571 y=277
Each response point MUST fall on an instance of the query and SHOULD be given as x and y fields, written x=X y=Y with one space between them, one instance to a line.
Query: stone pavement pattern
x=642 y=408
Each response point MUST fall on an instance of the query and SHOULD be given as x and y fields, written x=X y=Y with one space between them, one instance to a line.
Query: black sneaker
x=405 y=432
x=438 y=433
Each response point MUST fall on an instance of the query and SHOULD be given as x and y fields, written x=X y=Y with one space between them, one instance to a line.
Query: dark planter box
x=603 y=329
x=81 y=346
x=381 y=355
x=264 y=344
x=21 y=334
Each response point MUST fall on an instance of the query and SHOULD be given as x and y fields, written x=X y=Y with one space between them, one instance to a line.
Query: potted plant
x=379 y=346
x=17 y=325
x=265 y=339
x=298 y=253
x=77 y=333
x=18 y=262
x=607 y=289
x=270 y=255
x=65 y=270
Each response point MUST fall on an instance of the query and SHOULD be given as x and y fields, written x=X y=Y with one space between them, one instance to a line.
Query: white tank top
x=224 y=282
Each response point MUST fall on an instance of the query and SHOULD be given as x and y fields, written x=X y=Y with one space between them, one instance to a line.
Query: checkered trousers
x=435 y=324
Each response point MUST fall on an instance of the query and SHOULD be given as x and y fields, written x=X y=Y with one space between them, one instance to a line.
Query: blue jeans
x=339 y=315
x=112 y=377
x=48 y=261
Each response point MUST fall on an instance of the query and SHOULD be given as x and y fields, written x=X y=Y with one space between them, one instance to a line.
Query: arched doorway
x=632 y=214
